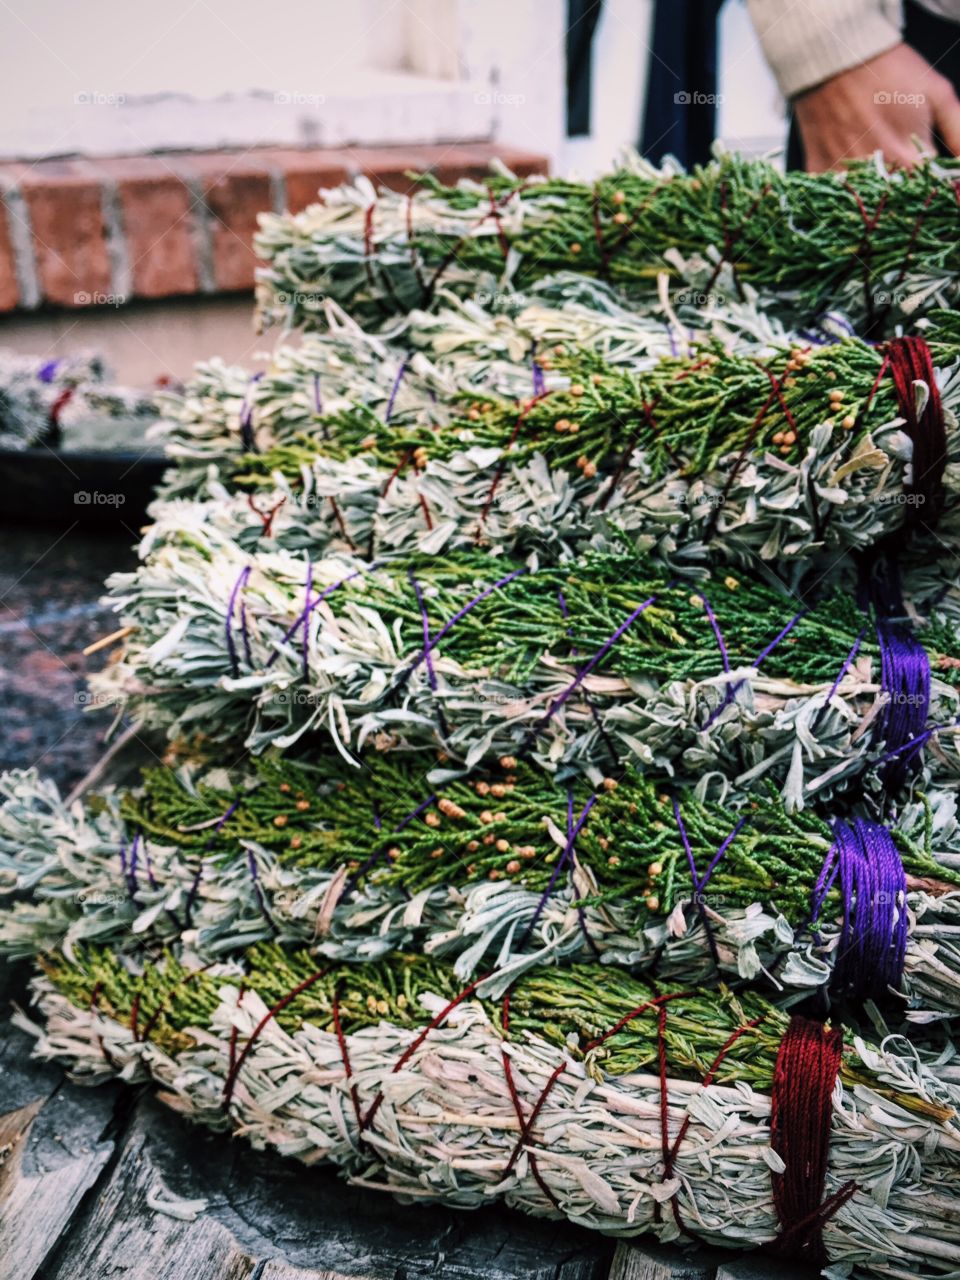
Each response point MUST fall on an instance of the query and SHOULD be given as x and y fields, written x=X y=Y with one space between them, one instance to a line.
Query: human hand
x=880 y=105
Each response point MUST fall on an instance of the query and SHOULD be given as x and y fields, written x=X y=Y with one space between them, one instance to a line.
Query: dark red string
x=266 y=517
x=502 y=464
x=340 y=521
x=525 y=1125
x=234 y=1071
x=911 y=361
x=800 y=1109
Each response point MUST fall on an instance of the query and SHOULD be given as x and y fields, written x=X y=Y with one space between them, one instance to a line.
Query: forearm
x=809 y=41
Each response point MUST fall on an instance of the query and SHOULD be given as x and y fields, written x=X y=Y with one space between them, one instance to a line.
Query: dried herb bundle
x=506 y=869
x=779 y=457
x=876 y=244
x=586 y=666
x=587 y=1096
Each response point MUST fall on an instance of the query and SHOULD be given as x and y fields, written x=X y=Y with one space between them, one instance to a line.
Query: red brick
x=158 y=223
x=69 y=234
x=9 y=292
x=305 y=172
x=235 y=190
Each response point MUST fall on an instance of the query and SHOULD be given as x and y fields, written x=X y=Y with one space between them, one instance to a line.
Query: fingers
x=946 y=119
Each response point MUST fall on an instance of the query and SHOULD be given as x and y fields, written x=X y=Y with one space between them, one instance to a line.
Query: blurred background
x=134 y=156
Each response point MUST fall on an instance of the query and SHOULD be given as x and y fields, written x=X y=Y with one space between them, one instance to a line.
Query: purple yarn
x=873 y=886
x=317 y=398
x=47 y=372
x=374 y=858
x=238 y=586
x=302 y=617
x=847 y=664
x=905 y=677
x=765 y=653
x=395 y=388
x=421 y=604
x=246 y=416
x=700 y=882
x=245 y=634
x=539 y=383
x=308 y=587
x=445 y=629
x=573 y=830
x=724 y=658
x=585 y=671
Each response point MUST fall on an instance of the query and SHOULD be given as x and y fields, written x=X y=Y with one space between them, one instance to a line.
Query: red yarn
x=502 y=464
x=234 y=1071
x=800 y=1107
x=911 y=361
x=525 y=1125
x=266 y=517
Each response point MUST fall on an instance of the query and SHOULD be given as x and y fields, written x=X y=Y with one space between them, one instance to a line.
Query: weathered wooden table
x=85 y=1174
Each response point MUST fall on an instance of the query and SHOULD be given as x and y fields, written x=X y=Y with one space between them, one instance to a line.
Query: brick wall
x=96 y=233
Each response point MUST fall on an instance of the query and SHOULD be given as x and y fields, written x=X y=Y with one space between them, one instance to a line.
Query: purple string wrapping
x=873 y=887
x=192 y=893
x=584 y=671
x=246 y=416
x=700 y=882
x=573 y=830
x=445 y=629
x=847 y=664
x=301 y=619
x=395 y=389
x=539 y=382
x=421 y=605
x=238 y=586
x=764 y=653
x=47 y=372
x=431 y=673
x=374 y=858
x=905 y=678
x=307 y=588
x=595 y=714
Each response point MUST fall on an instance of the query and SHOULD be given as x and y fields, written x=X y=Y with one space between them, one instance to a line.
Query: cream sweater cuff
x=809 y=41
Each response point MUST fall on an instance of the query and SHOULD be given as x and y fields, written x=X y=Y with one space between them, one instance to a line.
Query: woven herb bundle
x=692 y=1115
x=71 y=397
x=588 y=666
x=508 y=868
x=428 y=360
x=781 y=457
x=875 y=244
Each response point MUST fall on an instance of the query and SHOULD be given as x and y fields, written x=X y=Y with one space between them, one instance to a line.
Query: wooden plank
x=266 y=1218
x=54 y=1150
x=123 y=1234
x=760 y=1268
x=638 y=1261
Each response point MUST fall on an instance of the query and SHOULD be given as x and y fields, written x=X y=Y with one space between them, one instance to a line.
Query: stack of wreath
x=562 y=691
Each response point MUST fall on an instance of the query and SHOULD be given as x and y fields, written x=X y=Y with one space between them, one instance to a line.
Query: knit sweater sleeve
x=809 y=41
